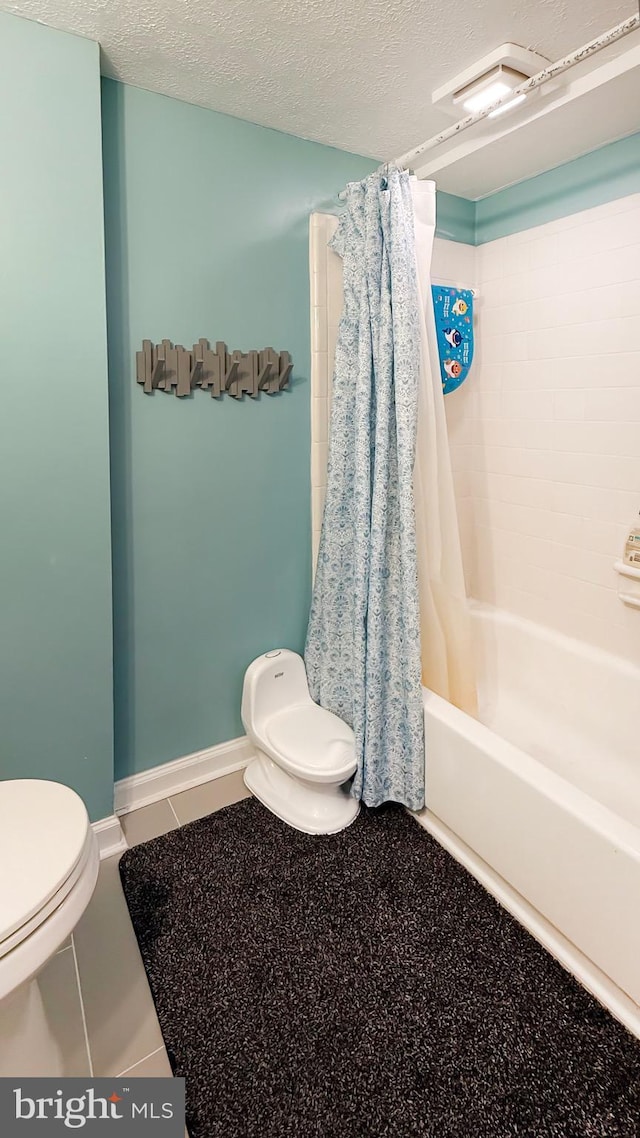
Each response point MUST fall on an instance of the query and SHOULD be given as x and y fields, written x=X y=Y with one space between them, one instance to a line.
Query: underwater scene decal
x=453 y=310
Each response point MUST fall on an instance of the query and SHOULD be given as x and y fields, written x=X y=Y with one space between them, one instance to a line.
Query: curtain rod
x=407 y=160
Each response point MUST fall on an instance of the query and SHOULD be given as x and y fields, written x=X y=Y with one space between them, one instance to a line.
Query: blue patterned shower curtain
x=363 y=643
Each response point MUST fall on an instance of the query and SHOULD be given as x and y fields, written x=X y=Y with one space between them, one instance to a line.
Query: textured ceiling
x=356 y=75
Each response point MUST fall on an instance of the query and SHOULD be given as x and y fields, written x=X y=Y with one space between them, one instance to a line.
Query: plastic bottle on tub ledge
x=628 y=567
x=632 y=545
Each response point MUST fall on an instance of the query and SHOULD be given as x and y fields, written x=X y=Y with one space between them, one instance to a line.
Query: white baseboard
x=590 y=976
x=111 y=839
x=170 y=778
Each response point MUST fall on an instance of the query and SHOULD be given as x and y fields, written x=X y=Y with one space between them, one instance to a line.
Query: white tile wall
x=326 y=305
x=549 y=423
x=545 y=433
x=456 y=264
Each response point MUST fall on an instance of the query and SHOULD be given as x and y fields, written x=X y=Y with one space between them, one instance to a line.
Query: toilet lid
x=43 y=834
x=310 y=737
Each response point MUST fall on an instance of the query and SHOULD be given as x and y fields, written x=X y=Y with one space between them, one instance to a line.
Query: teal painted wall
x=611 y=172
x=207 y=221
x=455 y=218
x=55 y=617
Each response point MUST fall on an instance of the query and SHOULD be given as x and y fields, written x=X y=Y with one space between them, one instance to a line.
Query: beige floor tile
x=209 y=796
x=121 y=1019
x=61 y=999
x=148 y=822
x=155 y=1066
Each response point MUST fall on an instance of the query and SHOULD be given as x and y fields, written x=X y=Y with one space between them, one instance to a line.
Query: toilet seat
x=47 y=842
x=24 y=931
x=311 y=743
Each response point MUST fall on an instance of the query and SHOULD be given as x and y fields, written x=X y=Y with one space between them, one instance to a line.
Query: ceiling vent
x=488 y=80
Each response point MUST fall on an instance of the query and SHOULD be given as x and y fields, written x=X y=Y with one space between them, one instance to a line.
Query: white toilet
x=305 y=754
x=49 y=865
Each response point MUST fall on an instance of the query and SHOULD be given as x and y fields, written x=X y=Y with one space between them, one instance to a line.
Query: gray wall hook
x=169 y=377
x=286 y=367
x=235 y=359
x=247 y=382
x=167 y=368
x=210 y=376
x=158 y=368
x=269 y=371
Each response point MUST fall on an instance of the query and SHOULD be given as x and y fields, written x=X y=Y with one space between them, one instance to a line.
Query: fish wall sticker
x=453 y=310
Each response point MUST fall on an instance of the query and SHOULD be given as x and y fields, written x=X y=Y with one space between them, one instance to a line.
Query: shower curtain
x=363 y=642
x=447 y=654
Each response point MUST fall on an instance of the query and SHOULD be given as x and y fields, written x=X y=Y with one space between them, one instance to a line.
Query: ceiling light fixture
x=488 y=88
x=488 y=80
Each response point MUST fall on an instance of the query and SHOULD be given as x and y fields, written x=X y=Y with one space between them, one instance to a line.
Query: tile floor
x=95 y=988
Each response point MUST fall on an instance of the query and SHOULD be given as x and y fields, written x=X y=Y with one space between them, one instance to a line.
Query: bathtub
x=540 y=796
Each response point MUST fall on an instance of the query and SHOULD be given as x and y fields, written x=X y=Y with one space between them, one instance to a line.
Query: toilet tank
x=272 y=682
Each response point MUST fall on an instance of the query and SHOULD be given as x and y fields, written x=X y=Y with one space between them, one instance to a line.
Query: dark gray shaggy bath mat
x=363 y=984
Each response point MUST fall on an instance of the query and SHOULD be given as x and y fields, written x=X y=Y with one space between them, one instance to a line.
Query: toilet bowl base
x=313 y=807
x=28 y=1047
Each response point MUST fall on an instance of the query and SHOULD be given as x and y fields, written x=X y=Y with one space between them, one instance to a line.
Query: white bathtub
x=541 y=799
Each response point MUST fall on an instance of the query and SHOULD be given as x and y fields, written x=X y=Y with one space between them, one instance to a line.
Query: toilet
x=49 y=858
x=305 y=755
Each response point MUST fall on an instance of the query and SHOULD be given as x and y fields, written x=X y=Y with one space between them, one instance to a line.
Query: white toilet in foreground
x=305 y=754
x=49 y=865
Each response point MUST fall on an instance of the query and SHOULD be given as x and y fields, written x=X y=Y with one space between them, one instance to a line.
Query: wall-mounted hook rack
x=163 y=367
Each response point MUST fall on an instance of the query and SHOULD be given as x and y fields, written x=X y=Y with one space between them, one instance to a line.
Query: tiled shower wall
x=545 y=433
x=553 y=457
x=326 y=306
x=456 y=264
